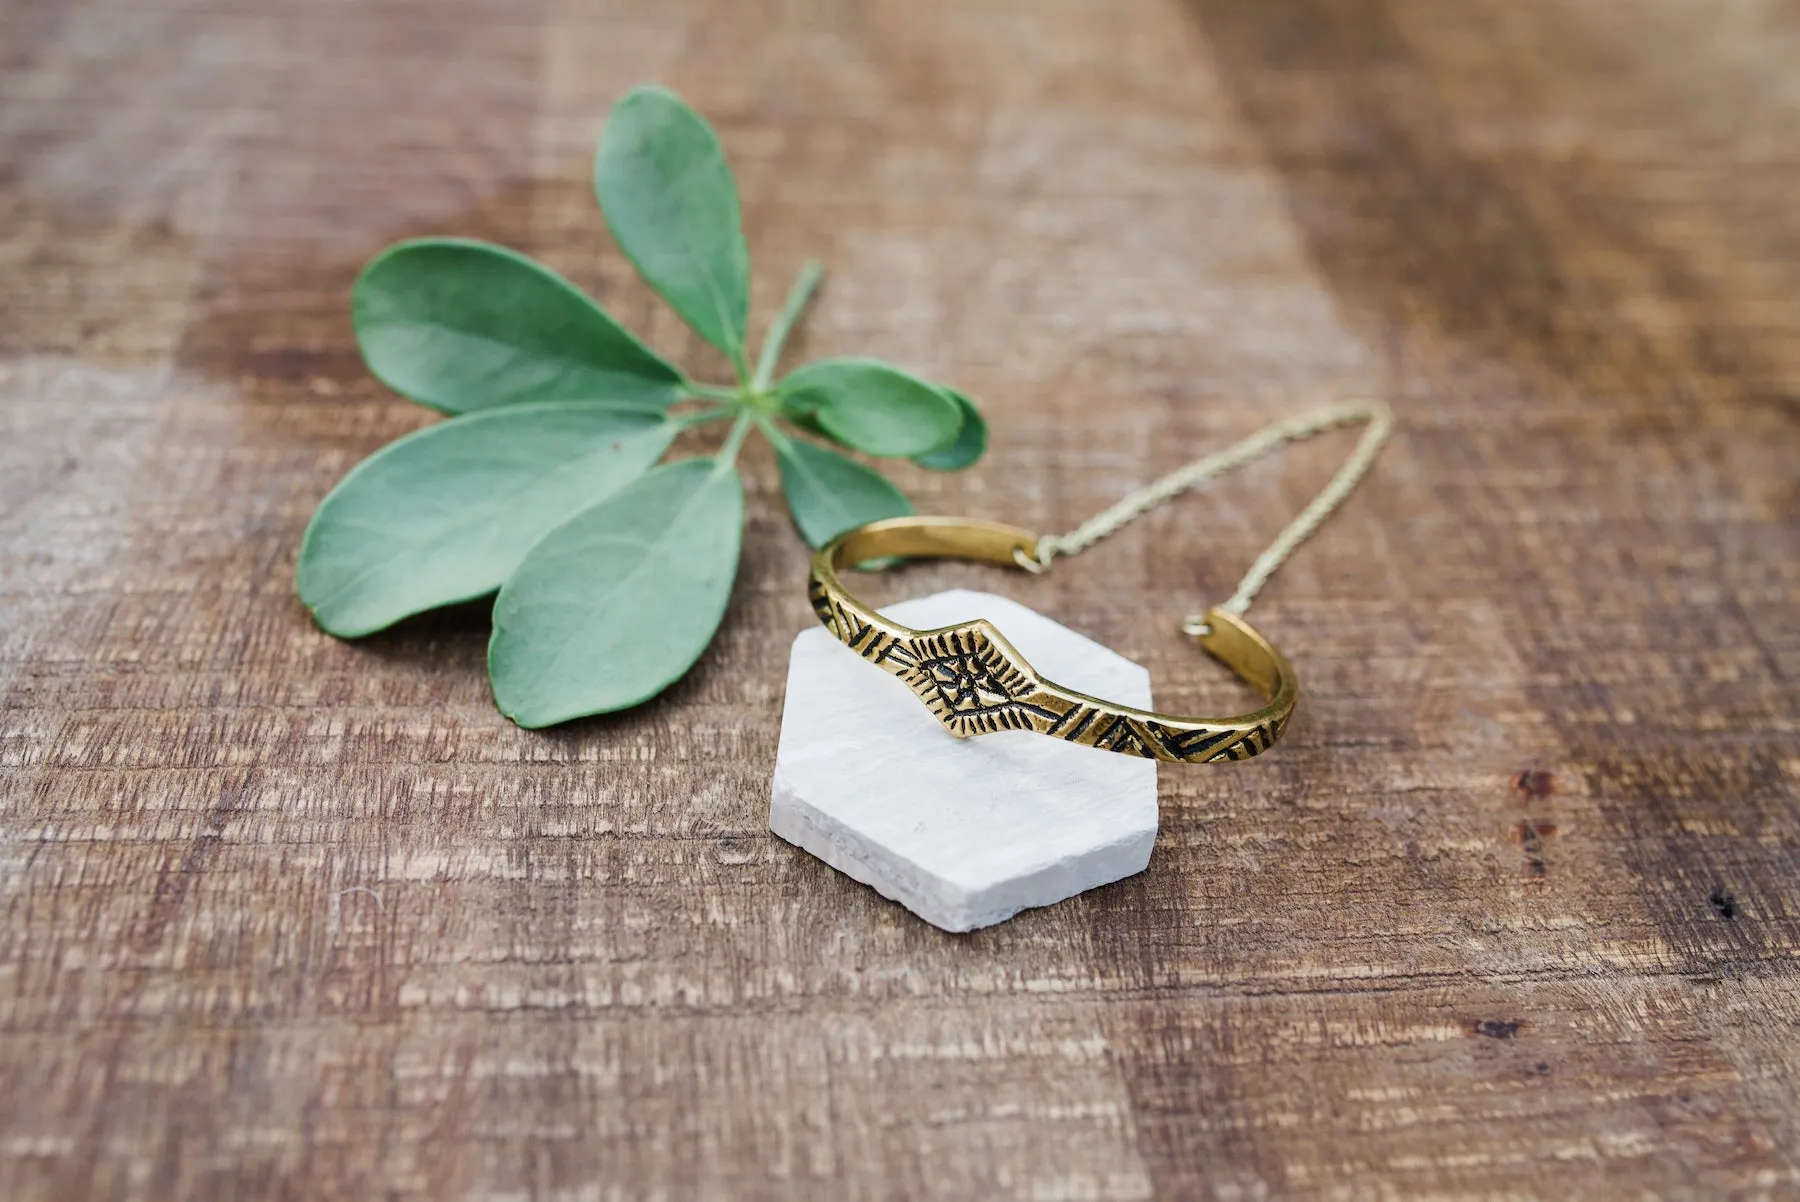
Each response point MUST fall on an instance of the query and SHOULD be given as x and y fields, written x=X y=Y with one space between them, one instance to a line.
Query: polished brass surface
x=975 y=682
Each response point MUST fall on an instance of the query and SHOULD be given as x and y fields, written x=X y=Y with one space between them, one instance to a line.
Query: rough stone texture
x=1513 y=910
x=963 y=832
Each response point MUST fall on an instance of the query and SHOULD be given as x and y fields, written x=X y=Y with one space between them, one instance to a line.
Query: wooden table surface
x=1514 y=910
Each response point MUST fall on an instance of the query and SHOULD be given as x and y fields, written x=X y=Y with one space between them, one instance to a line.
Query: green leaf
x=615 y=604
x=829 y=494
x=447 y=513
x=671 y=204
x=459 y=325
x=874 y=408
x=971 y=440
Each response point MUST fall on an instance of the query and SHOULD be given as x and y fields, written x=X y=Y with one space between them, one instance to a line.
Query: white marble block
x=963 y=832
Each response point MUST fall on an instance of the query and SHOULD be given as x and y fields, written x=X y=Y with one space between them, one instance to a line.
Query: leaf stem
x=770 y=430
x=700 y=417
x=740 y=429
x=712 y=392
x=797 y=297
x=740 y=366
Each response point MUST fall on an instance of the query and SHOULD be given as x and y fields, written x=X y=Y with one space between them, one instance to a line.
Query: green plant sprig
x=611 y=571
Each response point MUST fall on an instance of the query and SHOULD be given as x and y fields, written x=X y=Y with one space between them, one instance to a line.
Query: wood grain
x=1512 y=910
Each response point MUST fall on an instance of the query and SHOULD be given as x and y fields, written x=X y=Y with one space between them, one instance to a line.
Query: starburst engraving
x=973 y=684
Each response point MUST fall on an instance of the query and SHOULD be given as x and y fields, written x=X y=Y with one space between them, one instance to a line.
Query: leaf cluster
x=612 y=569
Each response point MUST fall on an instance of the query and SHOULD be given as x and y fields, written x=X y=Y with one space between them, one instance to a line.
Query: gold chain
x=1269 y=439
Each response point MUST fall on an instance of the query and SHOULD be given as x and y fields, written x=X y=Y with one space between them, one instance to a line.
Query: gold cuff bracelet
x=975 y=682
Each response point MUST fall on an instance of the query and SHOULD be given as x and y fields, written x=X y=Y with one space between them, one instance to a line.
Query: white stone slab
x=965 y=833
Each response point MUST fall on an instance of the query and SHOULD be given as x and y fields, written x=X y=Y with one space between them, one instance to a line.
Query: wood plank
x=1512 y=909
